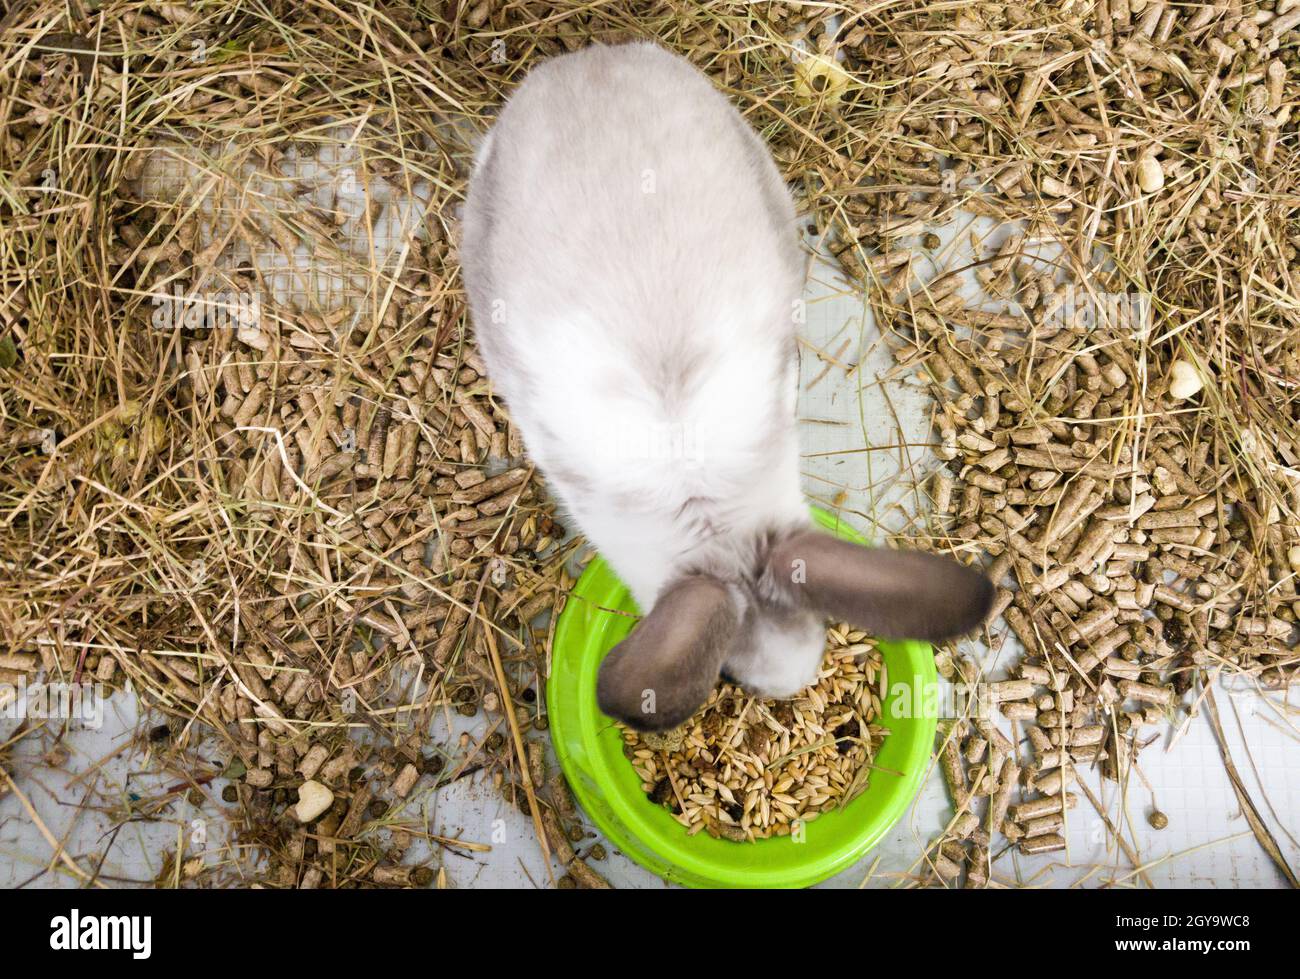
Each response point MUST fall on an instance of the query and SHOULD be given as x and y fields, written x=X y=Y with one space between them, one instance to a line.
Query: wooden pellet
x=1048 y=843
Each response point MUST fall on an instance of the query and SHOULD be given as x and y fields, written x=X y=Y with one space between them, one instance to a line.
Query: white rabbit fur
x=634 y=276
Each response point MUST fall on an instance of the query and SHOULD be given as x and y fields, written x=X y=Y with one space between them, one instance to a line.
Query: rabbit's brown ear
x=658 y=676
x=893 y=594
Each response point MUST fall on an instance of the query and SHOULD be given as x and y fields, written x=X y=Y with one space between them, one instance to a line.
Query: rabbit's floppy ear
x=893 y=594
x=658 y=676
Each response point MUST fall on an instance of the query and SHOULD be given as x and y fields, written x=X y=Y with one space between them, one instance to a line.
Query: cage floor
x=844 y=408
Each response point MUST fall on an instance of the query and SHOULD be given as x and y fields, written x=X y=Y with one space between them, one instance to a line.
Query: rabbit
x=634 y=273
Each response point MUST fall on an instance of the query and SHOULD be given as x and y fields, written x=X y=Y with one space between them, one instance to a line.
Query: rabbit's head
x=764 y=628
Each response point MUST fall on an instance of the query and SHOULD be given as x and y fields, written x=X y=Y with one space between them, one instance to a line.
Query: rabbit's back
x=633 y=268
x=618 y=175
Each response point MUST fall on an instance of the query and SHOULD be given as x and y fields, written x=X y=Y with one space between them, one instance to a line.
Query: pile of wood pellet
x=745 y=768
x=1118 y=576
x=346 y=511
x=1114 y=406
x=245 y=524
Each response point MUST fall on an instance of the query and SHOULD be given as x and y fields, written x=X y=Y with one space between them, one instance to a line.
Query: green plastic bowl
x=599 y=613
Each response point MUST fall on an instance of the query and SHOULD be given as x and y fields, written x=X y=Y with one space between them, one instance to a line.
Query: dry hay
x=291 y=536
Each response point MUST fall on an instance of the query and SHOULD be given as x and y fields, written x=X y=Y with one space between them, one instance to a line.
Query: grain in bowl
x=745 y=767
